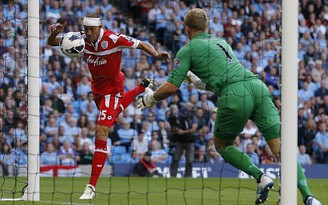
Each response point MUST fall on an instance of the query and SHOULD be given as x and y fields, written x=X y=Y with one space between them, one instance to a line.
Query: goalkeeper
x=242 y=96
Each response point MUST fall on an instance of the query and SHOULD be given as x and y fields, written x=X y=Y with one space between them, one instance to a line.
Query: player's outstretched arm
x=147 y=100
x=55 y=29
x=165 y=56
x=150 y=97
x=165 y=90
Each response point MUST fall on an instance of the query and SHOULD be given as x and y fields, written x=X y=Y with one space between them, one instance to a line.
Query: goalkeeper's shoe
x=147 y=82
x=312 y=201
x=89 y=192
x=265 y=185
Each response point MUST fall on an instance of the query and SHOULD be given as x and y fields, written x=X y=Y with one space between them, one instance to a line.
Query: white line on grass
x=12 y=199
x=48 y=202
x=68 y=203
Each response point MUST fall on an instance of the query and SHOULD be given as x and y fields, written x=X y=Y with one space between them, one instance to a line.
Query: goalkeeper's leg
x=236 y=157
x=240 y=160
x=301 y=179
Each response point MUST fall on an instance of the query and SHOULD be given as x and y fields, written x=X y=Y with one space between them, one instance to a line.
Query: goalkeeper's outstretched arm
x=150 y=97
x=167 y=89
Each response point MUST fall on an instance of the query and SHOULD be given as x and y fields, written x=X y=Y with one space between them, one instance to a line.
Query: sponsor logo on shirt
x=96 y=61
x=176 y=63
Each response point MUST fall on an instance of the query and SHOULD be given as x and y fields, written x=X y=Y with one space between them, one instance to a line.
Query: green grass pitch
x=154 y=191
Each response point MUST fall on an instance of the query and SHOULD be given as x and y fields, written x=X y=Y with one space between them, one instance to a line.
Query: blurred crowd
x=68 y=114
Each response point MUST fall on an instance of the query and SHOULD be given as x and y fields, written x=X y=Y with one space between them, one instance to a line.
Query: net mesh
x=13 y=105
x=68 y=114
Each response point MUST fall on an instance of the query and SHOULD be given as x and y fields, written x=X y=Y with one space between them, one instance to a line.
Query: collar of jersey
x=100 y=35
x=200 y=35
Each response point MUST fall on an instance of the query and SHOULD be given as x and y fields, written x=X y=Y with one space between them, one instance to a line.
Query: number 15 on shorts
x=103 y=115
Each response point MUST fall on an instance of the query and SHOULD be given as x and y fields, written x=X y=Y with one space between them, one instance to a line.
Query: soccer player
x=103 y=53
x=242 y=96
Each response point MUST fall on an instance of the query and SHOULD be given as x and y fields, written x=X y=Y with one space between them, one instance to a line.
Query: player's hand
x=56 y=28
x=164 y=56
x=147 y=100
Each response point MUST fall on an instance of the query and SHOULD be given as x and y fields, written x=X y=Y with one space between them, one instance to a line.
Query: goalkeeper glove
x=192 y=78
x=147 y=100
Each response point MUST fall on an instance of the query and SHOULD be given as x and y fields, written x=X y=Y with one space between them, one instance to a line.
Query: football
x=72 y=44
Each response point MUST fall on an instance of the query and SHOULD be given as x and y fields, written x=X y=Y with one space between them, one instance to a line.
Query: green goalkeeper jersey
x=212 y=60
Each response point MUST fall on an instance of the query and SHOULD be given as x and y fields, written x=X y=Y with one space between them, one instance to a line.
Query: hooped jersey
x=104 y=61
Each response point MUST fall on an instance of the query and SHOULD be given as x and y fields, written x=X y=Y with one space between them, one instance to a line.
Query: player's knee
x=102 y=132
x=274 y=145
x=277 y=154
x=220 y=144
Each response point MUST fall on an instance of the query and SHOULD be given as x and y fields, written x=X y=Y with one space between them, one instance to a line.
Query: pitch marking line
x=48 y=202
x=12 y=199
x=65 y=203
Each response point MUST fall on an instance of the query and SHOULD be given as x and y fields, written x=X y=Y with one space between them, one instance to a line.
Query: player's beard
x=91 y=40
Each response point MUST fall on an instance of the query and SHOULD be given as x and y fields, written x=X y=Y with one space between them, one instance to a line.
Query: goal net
x=13 y=105
x=48 y=117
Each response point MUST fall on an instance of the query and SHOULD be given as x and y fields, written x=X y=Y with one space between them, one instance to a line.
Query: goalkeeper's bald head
x=196 y=19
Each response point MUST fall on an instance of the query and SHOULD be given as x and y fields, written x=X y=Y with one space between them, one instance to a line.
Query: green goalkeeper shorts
x=242 y=101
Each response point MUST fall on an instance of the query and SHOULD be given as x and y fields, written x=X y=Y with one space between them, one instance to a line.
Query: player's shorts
x=109 y=107
x=242 y=101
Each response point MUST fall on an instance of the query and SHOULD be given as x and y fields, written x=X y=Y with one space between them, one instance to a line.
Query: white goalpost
x=289 y=77
x=289 y=105
x=33 y=189
x=32 y=192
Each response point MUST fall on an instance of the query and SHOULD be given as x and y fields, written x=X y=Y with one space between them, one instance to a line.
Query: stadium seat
x=118 y=150
x=121 y=158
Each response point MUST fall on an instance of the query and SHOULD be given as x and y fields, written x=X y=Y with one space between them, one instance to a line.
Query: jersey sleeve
x=180 y=67
x=127 y=42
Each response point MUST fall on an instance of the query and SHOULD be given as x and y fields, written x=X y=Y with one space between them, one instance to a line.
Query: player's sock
x=238 y=159
x=98 y=161
x=301 y=183
x=131 y=95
